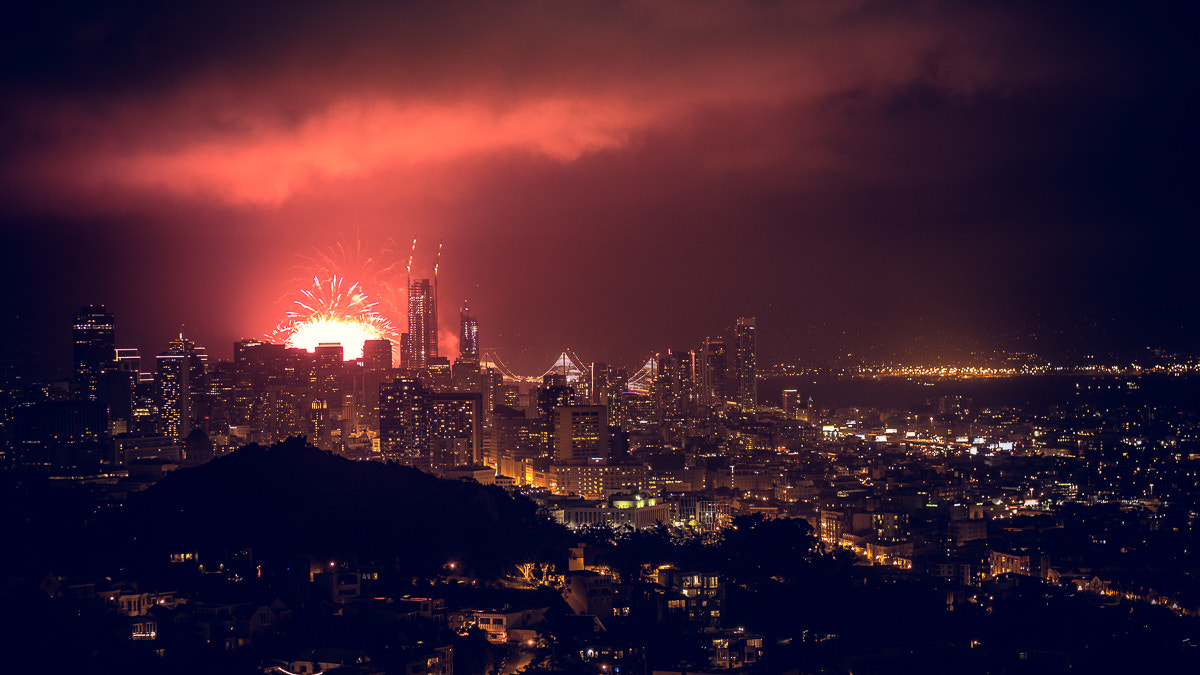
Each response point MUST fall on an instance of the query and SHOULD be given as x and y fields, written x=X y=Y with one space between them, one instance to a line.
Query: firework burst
x=333 y=311
x=379 y=269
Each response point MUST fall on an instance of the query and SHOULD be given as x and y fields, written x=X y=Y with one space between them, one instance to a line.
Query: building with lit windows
x=95 y=348
x=703 y=594
x=712 y=372
x=596 y=481
x=180 y=382
x=745 y=370
x=674 y=391
x=427 y=429
x=455 y=429
x=468 y=336
x=1020 y=561
x=377 y=362
x=635 y=510
x=581 y=434
x=403 y=429
x=420 y=344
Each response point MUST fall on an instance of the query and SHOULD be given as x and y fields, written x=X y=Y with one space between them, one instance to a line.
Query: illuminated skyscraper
x=180 y=379
x=674 y=392
x=468 y=336
x=403 y=420
x=455 y=429
x=745 y=370
x=95 y=348
x=420 y=344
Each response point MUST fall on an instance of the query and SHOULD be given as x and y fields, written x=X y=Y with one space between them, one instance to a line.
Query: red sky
x=621 y=178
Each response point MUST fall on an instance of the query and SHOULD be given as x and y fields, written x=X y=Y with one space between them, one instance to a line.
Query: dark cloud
x=620 y=177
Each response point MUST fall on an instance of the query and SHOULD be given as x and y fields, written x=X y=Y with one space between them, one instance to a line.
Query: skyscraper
x=674 y=392
x=377 y=354
x=711 y=370
x=180 y=379
x=403 y=423
x=468 y=336
x=377 y=362
x=95 y=348
x=745 y=370
x=421 y=343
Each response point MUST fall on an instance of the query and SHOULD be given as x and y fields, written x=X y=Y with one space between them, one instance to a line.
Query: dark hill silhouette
x=293 y=500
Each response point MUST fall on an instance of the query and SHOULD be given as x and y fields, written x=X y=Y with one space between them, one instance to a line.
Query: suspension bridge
x=573 y=369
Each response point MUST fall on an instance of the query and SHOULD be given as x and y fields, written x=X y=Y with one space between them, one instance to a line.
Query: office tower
x=455 y=429
x=421 y=344
x=129 y=361
x=377 y=354
x=403 y=429
x=377 y=361
x=262 y=364
x=438 y=375
x=581 y=434
x=711 y=368
x=607 y=384
x=639 y=413
x=220 y=384
x=117 y=385
x=328 y=371
x=674 y=393
x=145 y=416
x=468 y=336
x=514 y=435
x=95 y=348
x=745 y=369
x=553 y=394
x=791 y=398
x=423 y=428
x=180 y=380
x=115 y=390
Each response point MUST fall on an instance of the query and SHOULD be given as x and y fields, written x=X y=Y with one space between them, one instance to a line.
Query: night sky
x=619 y=178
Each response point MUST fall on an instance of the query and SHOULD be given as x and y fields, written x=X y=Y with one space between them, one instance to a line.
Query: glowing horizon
x=330 y=312
x=349 y=333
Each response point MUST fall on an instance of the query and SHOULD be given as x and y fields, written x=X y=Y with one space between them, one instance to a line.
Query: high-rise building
x=129 y=361
x=328 y=373
x=468 y=336
x=403 y=427
x=790 y=400
x=95 y=348
x=423 y=428
x=377 y=363
x=674 y=393
x=421 y=344
x=180 y=379
x=117 y=385
x=607 y=384
x=711 y=368
x=581 y=434
x=745 y=370
x=455 y=429
x=377 y=354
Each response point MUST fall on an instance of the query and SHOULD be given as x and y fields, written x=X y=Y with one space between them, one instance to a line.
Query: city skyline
x=599 y=338
x=617 y=180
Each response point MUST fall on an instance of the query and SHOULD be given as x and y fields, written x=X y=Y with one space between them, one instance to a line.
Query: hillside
x=293 y=500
